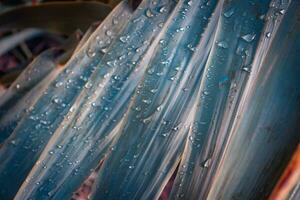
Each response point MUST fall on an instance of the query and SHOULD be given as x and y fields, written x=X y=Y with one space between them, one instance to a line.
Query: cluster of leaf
x=207 y=91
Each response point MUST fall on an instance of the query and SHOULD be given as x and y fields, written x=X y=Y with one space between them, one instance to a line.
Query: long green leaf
x=266 y=133
x=99 y=108
x=153 y=134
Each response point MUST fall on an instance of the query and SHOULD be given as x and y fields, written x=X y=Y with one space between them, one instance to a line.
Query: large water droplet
x=162 y=9
x=91 y=53
x=108 y=33
x=206 y=163
x=149 y=13
x=248 y=37
x=246 y=69
x=162 y=42
x=281 y=11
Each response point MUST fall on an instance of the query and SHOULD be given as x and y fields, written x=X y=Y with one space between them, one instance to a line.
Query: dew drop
x=162 y=42
x=162 y=9
x=88 y=85
x=91 y=53
x=160 y=25
x=147 y=101
x=153 y=91
x=108 y=33
x=229 y=13
x=205 y=92
x=206 y=163
x=248 y=37
x=190 y=46
x=158 y=108
x=124 y=39
x=246 y=69
x=281 y=11
x=56 y=100
x=222 y=44
x=149 y=13
x=13 y=142
x=58 y=84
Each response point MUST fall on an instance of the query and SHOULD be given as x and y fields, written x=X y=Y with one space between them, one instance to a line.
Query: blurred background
x=28 y=27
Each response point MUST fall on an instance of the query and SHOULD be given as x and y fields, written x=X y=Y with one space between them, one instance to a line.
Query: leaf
x=153 y=134
x=33 y=74
x=99 y=108
x=225 y=80
x=27 y=87
x=266 y=134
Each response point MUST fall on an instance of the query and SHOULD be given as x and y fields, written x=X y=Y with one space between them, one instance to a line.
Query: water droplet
x=229 y=13
x=56 y=100
x=149 y=13
x=104 y=50
x=160 y=25
x=205 y=92
x=147 y=101
x=180 y=29
x=116 y=77
x=124 y=39
x=222 y=44
x=162 y=42
x=281 y=11
x=153 y=91
x=58 y=84
x=246 y=69
x=108 y=33
x=13 y=142
x=190 y=46
x=162 y=9
x=175 y=128
x=91 y=53
x=206 y=163
x=164 y=135
x=88 y=85
x=248 y=37
x=138 y=108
